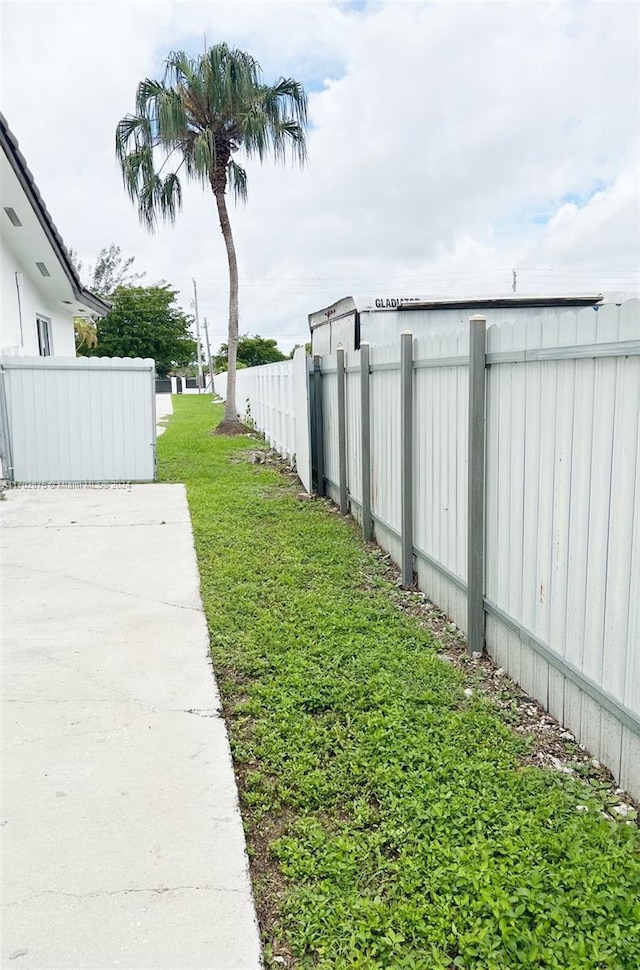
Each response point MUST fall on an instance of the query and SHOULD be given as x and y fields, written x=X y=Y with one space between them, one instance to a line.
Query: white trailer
x=380 y=320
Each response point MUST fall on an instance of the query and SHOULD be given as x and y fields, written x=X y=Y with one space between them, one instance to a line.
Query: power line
x=445 y=274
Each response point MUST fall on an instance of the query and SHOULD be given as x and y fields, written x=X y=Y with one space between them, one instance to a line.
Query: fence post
x=476 y=473
x=365 y=438
x=317 y=424
x=406 y=458
x=6 y=457
x=342 y=433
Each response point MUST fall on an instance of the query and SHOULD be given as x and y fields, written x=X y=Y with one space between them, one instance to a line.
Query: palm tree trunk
x=230 y=413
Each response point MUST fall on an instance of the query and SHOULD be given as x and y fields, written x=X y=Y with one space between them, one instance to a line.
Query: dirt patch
x=270 y=885
x=232 y=428
x=261 y=832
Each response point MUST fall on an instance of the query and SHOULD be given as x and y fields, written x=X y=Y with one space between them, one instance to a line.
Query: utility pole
x=515 y=280
x=199 y=352
x=206 y=333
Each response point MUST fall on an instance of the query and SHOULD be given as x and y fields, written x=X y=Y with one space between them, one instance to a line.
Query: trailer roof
x=372 y=304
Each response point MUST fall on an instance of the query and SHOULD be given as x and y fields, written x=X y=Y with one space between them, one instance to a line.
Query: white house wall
x=32 y=303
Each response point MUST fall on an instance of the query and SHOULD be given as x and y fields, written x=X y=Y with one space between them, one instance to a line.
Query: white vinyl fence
x=554 y=495
x=84 y=419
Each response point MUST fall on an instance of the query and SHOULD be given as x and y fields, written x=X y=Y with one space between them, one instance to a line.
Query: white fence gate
x=84 y=419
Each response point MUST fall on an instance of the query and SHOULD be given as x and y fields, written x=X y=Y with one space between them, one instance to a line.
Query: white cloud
x=450 y=142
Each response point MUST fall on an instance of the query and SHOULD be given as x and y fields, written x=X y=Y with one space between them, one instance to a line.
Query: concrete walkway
x=164 y=410
x=123 y=843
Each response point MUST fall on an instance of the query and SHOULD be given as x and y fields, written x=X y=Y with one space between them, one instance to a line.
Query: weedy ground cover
x=391 y=820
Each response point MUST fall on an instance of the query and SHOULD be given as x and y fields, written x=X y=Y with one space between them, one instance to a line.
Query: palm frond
x=293 y=95
x=280 y=110
x=171 y=197
x=290 y=135
x=137 y=168
x=237 y=180
x=204 y=153
x=150 y=201
x=132 y=130
x=179 y=69
x=148 y=91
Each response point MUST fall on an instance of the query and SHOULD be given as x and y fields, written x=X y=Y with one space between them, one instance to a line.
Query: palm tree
x=203 y=111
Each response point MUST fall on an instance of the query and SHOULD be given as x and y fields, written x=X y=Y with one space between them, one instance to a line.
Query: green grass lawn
x=389 y=819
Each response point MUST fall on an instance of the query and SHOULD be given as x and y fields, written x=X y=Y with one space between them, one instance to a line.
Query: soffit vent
x=43 y=269
x=12 y=215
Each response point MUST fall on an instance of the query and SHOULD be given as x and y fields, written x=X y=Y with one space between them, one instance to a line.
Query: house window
x=44 y=336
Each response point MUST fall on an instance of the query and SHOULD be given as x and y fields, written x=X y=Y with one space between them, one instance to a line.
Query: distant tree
x=109 y=271
x=307 y=350
x=144 y=321
x=199 y=116
x=252 y=351
x=191 y=370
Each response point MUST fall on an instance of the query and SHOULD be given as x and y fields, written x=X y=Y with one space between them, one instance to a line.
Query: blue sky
x=449 y=142
x=540 y=215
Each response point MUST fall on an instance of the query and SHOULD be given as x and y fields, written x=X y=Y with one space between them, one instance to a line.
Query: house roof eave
x=18 y=163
